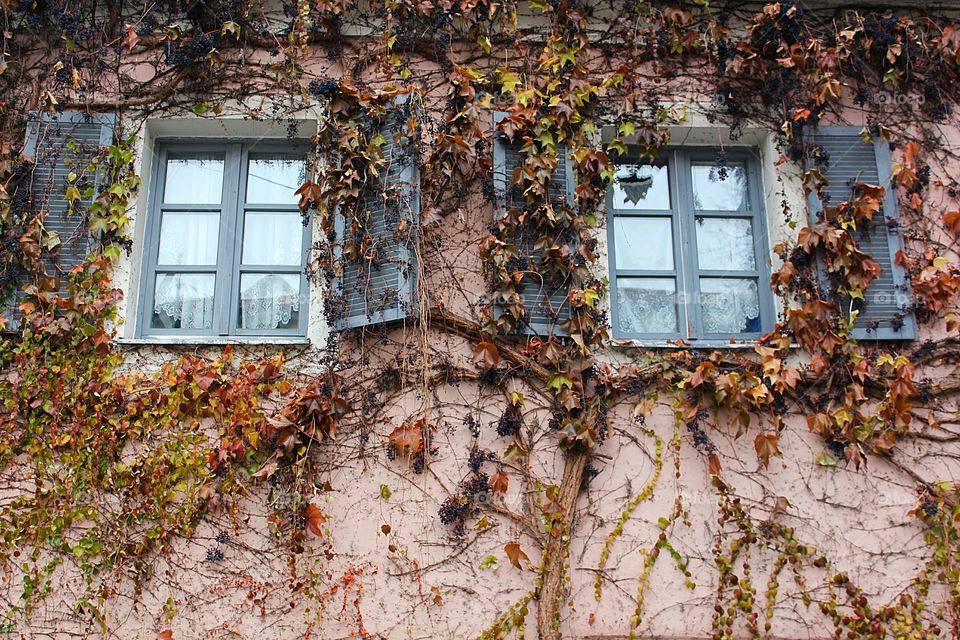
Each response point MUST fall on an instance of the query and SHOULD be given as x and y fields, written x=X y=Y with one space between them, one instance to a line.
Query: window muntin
x=226 y=244
x=688 y=261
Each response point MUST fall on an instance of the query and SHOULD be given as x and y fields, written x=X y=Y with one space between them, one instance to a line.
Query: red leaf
x=315 y=519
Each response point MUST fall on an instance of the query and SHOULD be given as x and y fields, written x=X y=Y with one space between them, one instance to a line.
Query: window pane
x=720 y=189
x=272 y=239
x=725 y=244
x=641 y=186
x=274 y=179
x=644 y=243
x=189 y=238
x=269 y=301
x=730 y=306
x=183 y=301
x=194 y=180
x=647 y=305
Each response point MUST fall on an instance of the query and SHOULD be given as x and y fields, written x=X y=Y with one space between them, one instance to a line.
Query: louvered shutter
x=545 y=299
x=884 y=312
x=60 y=144
x=383 y=289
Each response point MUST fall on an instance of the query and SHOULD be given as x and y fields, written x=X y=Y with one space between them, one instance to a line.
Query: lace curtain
x=647 y=310
x=269 y=301
x=730 y=306
x=184 y=301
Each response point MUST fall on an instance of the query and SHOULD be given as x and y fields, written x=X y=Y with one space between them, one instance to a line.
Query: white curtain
x=268 y=301
x=184 y=301
x=273 y=239
x=730 y=306
x=647 y=310
x=189 y=239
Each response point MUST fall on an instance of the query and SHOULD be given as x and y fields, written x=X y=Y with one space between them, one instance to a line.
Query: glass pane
x=194 y=180
x=269 y=301
x=273 y=180
x=730 y=306
x=641 y=186
x=272 y=238
x=189 y=238
x=644 y=243
x=720 y=188
x=647 y=305
x=725 y=244
x=183 y=301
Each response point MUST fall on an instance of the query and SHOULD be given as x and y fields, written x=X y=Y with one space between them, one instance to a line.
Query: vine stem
x=551 y=596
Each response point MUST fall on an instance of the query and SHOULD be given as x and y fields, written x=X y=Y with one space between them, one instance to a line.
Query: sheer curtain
x=269 y=301
x=647 y=310
x=730 y=306
x=184 y=301
x=187 y=299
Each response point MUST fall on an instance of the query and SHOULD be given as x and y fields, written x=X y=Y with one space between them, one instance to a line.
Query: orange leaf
x=952 y=220
x=407 y=439
x=766 y=445
x=713 y=465
x=515 y=553
x=499 y=483
x=315 y=519
x=486 y=353
x=165 y=635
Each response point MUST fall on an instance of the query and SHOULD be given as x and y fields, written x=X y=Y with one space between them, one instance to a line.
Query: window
x=688 y=248
x=226 y=243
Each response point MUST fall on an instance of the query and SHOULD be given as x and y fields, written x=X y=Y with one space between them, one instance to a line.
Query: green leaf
x=824 y=459
x=385 y=492
x=230 y=27
x=558 y=381
x=490 y=562
x=663 y=523
x=509 y=80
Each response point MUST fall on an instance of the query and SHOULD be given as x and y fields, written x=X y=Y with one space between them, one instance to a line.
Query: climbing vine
x=111 y=466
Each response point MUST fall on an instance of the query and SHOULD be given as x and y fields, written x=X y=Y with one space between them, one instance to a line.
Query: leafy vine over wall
x=109 y=467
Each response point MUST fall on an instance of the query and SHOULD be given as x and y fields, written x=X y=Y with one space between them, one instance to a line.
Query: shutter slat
x=60 y=144
x=382 y=290
x=884 y=312
x=544 y=297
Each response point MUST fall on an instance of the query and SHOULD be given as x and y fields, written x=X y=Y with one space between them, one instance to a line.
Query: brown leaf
x=515 y=553
x=499 y=483
x=766 y=444
x=407 y=439
x=713 y=465
x=314 y=518
x=486 y=353
x=952 y=220
x=165 y=635
x=132 y=38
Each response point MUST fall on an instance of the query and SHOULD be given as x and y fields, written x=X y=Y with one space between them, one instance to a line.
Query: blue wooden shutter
x=545 y=299
x=59 y=144
x=885 y=313
x=383 y=290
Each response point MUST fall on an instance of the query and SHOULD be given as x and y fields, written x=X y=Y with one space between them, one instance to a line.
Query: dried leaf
x=314 y=518
x=515 y=553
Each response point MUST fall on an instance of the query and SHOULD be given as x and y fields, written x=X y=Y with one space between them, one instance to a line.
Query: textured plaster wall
x=418 y=581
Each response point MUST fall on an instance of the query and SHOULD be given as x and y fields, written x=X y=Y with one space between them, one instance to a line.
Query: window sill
x=686 y=345
x=203 y=341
